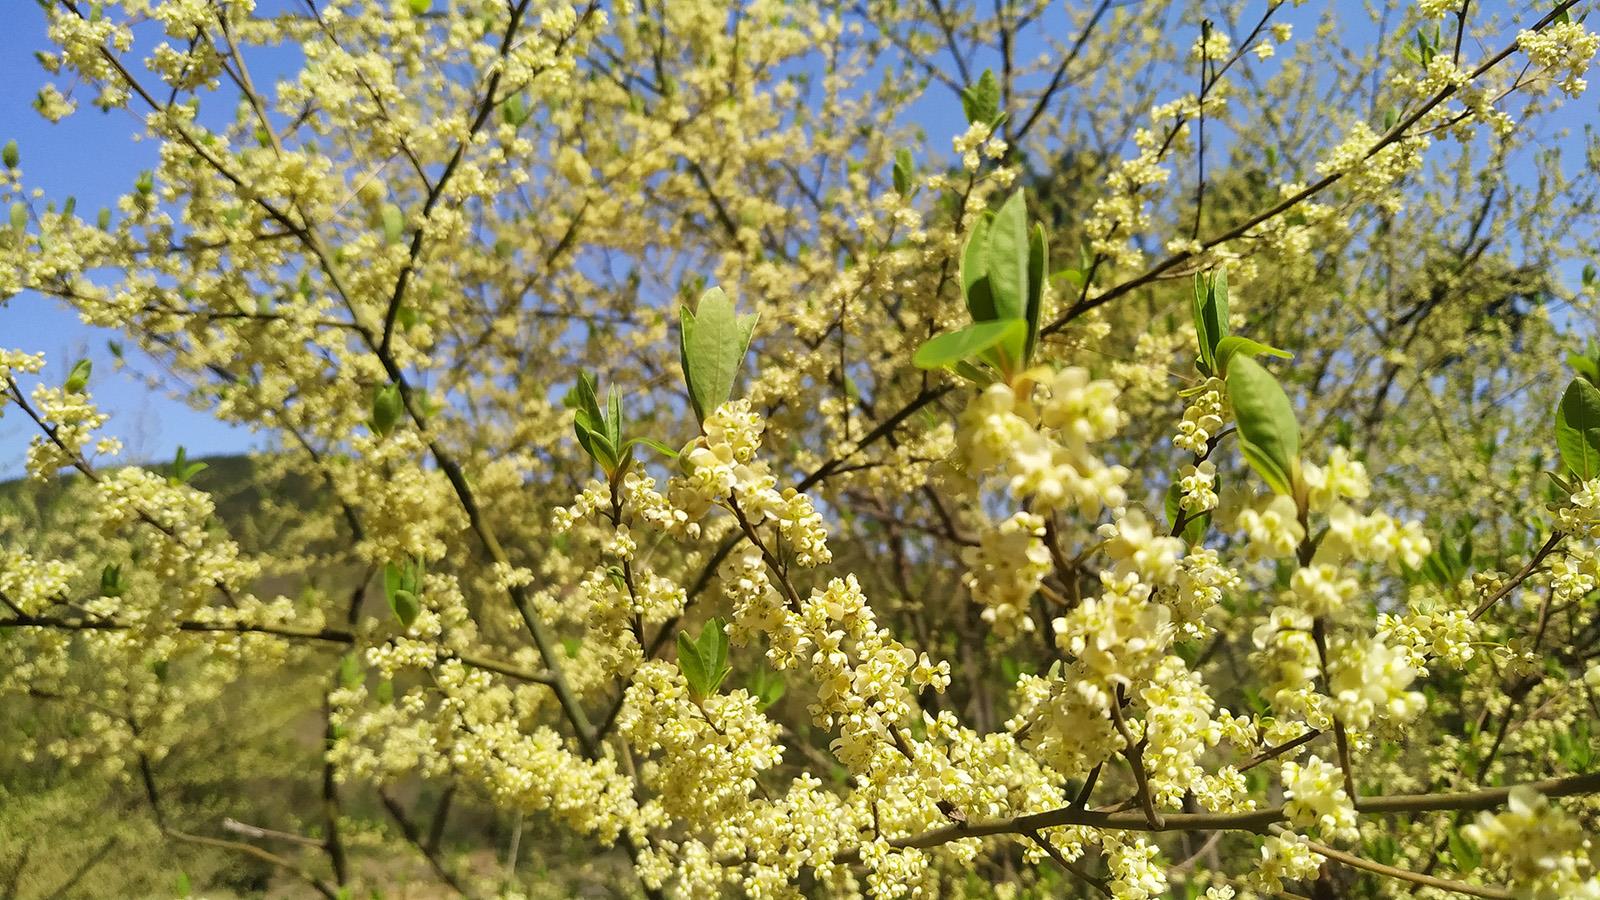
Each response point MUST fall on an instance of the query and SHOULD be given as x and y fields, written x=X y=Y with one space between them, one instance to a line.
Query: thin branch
x=415 y=838
x=1253 y=820
x=1460 y=887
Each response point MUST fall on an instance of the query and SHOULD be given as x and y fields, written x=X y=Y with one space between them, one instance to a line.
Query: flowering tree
x=673 y=447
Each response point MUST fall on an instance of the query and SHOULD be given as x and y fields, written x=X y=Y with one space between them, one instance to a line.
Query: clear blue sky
x=91 y=155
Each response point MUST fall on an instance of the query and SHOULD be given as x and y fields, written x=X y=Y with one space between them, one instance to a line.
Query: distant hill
x=231 y=479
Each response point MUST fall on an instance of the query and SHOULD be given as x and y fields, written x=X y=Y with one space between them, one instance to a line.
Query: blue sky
x=92 y=156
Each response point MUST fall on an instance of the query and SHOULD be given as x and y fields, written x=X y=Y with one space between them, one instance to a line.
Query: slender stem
x=1521 y=576
x=1253 y=820
x=1460 y=887
x=414 y=838
x=1098 y=884
x=1134 y=751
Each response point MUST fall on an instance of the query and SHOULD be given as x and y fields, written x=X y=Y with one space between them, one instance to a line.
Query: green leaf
x=1465 y=854
x=402 y=585
x=514 y=111
x=1008 y=258
x=350 y=674
x=111 y=583
x=767 y=687
x=387 y=407
x=1578 y=429
x=182 y=469
x=904 y=169
x=714 y=652
x=980 y=377
x=958 y=346
x=590 y=425
x=407 y=317
x=981 y=100
x=1073 y=277
x=1038 y=263
x=692 y=666
x=583 y=398
x=660 y=447
x=704 y=662
x=596 y=444
x=10 y=155
x=614 y=417
x=394 y=223
x=78 y=378
x=975 y=286
x=420 y=7
x=19 y=216
x=1210 y=315
x=405 y=607
x=1584 y=366
x=1269 y=437
x=713 y=342
x=1232 y=344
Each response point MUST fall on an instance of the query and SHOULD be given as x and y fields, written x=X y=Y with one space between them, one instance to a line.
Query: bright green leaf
x=692 y=666
x=1269 y=437
x=660 y=447
x=714 y=653
x=350 y=670
x=614 y=417
x=514 y=111
x=1578 y=429
x=1008 y=258
x=975 y=286
x=405 y=606
x=78 y=378
x=981 y=100
x=402 y=586
x=183 y=470
x=767 y=686
x=713 y=342
x=1210 y=315
x=904 y=170
x=387 y=407
x=394 y=223
x=1225 y=349
x=1038 y=264
x=1585 y=366
x=958 y=346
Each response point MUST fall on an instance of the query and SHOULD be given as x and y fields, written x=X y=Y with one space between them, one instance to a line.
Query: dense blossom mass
x=687 y=472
